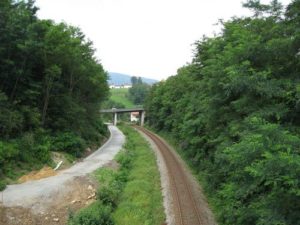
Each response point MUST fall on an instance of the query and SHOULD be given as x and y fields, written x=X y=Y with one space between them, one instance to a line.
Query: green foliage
x=136 y=80
x=235 y=110
x=10 y=119
x=50 y=83
x=139 y=90
x=34 y=148
x=49 y=75
x=141 y=200
x=2 y=185
x=133 y=191
x=9 y=152
x=109 y=196
x=119 y=98
x=30 y=151
x=125 y=158
x=95 y=214
x=113 y=183
x=262 y=176
x=68 y=142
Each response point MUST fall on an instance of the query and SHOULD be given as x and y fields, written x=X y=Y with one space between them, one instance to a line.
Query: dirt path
x=49 y=200
x=184 y=201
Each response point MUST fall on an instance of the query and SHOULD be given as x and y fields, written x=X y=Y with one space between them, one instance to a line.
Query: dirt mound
x=82 y=192
x=36 y=175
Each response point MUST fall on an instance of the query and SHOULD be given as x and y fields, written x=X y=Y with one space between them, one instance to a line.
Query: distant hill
x=120 y=79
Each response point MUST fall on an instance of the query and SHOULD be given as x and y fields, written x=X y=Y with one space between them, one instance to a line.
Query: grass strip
x=130 y=195
x=120 y=95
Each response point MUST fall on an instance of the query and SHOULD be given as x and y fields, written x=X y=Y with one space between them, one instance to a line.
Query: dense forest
x=236 y=111
x=51 y=88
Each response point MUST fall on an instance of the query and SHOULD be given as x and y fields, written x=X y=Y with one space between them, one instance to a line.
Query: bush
x=110 y=193
x=11 y=120
x=35 y=148
x=2 y=185
x=109 y=196
x=95 y=214
x=68 y=142
x=101 y=127
x=262 y=173
x=8 y=151
x=8 y=154
x=124 y=160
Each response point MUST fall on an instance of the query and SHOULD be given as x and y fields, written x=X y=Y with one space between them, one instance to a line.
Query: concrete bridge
x=115 y=112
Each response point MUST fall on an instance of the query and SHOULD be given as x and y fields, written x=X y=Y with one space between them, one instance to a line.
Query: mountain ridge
x=121 y=79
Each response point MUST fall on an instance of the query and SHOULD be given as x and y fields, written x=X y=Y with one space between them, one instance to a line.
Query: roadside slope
x=39 y=195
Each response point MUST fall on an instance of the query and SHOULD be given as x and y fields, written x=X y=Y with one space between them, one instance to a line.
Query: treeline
x=139 y=90
x=236 y=111
x=51 y=87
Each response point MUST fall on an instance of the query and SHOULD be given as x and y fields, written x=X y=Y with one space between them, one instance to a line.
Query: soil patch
x=36 y=175
x=82 y=193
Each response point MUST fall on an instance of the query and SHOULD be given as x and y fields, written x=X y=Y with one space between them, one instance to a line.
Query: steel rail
x=171 y=160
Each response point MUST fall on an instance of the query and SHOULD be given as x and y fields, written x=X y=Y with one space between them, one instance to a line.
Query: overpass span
x=115 y=112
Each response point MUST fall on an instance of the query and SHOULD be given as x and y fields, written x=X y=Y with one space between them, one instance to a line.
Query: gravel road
x=36 y=194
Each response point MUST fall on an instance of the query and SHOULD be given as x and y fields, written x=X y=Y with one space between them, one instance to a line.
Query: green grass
x=130 y=195
x=141 y=200
x=119 y=95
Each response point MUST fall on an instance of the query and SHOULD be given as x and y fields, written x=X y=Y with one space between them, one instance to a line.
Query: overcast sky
x=150 y=38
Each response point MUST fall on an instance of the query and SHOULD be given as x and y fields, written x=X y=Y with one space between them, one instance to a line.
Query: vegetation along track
x=187 y=211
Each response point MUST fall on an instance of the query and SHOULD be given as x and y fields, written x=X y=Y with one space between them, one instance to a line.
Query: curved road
x=34 y=194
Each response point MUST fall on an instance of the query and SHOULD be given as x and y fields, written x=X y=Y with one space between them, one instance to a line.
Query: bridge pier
x=115 y=119
x=142 y=118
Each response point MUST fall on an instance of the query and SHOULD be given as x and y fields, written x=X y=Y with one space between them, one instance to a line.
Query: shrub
x=2 y=185
x=262 y=173
x=109 y=196
x=35 y=148
x=95 y=214
x=8 y=154
x=125 y=159
x=68 y=142
x=8 y=151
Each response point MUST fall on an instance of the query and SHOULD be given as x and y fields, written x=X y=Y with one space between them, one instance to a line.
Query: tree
x=51 y=87
x=138 y=91
x=235 y=113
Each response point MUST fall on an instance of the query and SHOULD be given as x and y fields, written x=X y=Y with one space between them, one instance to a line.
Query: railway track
x=186 y=209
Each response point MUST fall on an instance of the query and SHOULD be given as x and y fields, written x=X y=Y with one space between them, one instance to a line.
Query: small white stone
x=92 y=196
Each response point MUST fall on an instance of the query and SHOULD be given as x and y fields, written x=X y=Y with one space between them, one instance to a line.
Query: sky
x=150 y=38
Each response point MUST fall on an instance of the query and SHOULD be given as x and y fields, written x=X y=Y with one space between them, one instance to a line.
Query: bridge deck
x=121 y=110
